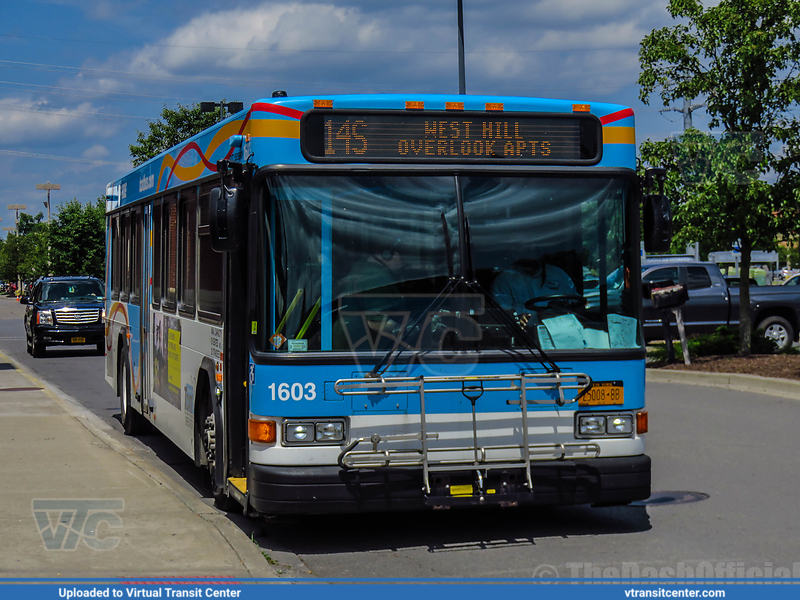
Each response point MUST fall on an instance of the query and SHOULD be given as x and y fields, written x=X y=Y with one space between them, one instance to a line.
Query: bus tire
x=778 y=330
x=211 y=436
x=132 y=422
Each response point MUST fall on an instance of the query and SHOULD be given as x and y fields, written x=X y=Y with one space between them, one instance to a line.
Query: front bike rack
x=483 y=458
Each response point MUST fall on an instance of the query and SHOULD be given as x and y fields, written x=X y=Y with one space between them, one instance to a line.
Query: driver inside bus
x=529 y=278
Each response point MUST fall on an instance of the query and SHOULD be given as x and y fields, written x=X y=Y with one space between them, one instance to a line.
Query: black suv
x=65 y=311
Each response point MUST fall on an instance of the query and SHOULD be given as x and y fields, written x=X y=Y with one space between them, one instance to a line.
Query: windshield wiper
x=450 y=286
x=448 y=289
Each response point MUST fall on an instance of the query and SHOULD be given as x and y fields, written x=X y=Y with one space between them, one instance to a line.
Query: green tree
x=10 y=258
x=742 y=56
x=174 y=127
x=77 y=239
x=32 y=257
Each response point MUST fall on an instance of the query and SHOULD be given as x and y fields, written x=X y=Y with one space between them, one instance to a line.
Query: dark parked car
x=64 y=311
x=713 y=302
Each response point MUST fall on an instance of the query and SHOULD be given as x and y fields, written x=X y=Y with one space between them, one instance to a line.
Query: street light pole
x=462 y=79
x=17 y=208
x=233 y=107
x=48 y=186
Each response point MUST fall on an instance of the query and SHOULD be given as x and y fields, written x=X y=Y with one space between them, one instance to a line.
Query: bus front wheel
x=132 y=421
x=210 y=439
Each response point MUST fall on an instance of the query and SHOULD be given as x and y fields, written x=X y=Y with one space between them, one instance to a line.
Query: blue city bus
x=389 y=302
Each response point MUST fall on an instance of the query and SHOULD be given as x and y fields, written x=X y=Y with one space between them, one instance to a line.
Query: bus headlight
x=332 y=431
x=591 y=425
x=316 y=432
x=621 y=425
x=300 y=432
x=596 y=425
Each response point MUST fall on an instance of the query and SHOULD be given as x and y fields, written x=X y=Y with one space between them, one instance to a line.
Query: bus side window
x=209 y=292
x=170 y=253
x=136 y=256
x=125 y=243
x=156 y=253
x=114 y=258
x=188 y=232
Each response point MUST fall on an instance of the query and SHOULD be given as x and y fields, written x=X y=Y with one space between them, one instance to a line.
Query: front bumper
x=319 y=490
x=64 y=335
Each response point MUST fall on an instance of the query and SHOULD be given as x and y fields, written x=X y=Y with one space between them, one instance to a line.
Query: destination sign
x=486 y=137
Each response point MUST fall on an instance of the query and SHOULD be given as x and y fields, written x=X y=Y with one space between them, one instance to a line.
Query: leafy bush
x=724 y=341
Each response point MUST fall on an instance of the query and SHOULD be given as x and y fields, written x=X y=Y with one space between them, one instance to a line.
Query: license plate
x=78 y=340
x=603 y=393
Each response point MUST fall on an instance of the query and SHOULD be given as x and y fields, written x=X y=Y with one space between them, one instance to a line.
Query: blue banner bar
x=308 y=589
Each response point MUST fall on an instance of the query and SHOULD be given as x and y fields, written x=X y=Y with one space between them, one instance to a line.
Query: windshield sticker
x=298 y=346
x=277 y=340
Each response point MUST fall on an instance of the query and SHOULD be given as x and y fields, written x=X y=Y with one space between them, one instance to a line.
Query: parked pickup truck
x=712 y=302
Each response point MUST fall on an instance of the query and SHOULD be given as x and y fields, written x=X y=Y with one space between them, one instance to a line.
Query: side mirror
x=226 y=213
x=23 y=299
x=656 y=223
x=656 y=213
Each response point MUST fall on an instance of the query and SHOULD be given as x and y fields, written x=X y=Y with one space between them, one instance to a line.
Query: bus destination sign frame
x=398 y=136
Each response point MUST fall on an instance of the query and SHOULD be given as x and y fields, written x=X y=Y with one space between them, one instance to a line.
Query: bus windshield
x=426 y=262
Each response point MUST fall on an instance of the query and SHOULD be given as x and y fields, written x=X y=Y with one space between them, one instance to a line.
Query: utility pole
x=17 y=207
x=462 y=78
x=48 y=186
x=233 y=107
x=687 y=110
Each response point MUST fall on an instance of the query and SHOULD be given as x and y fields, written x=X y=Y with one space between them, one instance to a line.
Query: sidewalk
x=771 y=386
x=82 y=501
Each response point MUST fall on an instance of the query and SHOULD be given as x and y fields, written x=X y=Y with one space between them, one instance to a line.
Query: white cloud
x=97 y=152
x=259 y=37
x=25 y=121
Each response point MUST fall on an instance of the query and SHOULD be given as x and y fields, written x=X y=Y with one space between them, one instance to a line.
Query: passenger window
x=669 y=273
x=698 y=278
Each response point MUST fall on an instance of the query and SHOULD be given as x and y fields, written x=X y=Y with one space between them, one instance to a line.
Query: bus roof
x=268 y=132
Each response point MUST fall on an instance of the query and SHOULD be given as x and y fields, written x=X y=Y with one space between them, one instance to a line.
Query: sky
x=80 y=78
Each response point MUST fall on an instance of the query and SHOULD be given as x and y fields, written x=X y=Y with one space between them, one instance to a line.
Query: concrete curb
x=245 y=549
x=771 y=386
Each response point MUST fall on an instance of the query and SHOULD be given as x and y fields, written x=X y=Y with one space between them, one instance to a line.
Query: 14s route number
x=293 y=391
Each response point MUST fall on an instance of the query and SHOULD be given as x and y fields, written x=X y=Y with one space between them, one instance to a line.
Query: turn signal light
x=261 y=431
x=641 y=421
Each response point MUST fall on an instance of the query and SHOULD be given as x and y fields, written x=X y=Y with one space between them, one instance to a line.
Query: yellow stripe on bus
x=275 y=128
x=618 y=135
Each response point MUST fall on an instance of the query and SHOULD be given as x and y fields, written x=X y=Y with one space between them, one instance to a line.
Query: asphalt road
x=724 y=480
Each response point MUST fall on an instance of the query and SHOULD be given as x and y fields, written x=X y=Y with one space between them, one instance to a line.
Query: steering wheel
x=570 y=301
